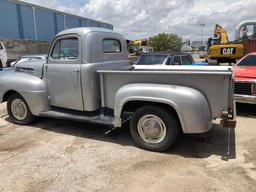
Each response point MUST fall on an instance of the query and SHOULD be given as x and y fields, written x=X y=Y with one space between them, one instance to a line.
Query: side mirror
x=12 y=64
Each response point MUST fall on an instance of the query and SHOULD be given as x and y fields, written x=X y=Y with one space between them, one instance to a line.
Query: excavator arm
x=221 y=33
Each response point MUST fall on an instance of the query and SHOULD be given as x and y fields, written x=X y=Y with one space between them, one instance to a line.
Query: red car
x=245 y=79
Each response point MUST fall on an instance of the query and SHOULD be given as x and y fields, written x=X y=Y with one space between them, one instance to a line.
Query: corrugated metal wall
x=25 y=21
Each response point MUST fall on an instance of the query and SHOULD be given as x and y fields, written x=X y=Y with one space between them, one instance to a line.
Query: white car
x=3 y=55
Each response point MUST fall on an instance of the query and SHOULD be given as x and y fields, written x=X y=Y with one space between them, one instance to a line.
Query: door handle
x=75 y=70
x=45 y=68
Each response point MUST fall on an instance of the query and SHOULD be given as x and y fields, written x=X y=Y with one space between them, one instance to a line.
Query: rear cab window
x=111 y=46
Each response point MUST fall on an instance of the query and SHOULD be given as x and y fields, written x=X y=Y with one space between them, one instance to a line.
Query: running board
x=101 y=118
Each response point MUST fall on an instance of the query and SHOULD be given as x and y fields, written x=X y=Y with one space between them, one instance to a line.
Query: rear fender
x=190 y=105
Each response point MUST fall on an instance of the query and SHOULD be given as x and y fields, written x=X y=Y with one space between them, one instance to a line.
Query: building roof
x=54 y=10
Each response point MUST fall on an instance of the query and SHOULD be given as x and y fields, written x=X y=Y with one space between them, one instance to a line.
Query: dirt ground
x=56 y=155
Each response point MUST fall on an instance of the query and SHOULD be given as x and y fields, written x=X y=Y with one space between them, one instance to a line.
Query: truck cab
x=72 y=63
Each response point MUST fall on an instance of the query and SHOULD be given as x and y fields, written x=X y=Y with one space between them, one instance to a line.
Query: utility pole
x=202 y=33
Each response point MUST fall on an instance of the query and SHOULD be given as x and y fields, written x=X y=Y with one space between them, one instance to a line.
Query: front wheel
x=153 y=128
x=18 y=110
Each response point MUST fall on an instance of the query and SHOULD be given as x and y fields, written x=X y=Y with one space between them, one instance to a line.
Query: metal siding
x=71 y=21
x=80 y=22
x=8 y=20
x=45 y=25
x=92 y=23
x=16 y=21
x=27 y=22
x=109 y=27
x=85 y=23
x=60 y=22
x=20 y=25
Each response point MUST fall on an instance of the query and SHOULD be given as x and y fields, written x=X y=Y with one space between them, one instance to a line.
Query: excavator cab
x=212 y=41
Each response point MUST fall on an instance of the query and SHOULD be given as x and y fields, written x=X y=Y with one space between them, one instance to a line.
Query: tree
x=164 y=42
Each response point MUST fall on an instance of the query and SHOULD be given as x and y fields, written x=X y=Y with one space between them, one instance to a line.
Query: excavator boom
x=220 y=33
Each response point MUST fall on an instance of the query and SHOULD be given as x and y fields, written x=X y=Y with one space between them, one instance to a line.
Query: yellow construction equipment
x=143 y=45
x=220 y=50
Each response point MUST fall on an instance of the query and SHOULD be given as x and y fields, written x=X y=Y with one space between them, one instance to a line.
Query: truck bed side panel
x=214 y=86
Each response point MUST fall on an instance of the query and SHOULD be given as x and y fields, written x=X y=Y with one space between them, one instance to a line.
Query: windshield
x=250 y=60
x=151 y=59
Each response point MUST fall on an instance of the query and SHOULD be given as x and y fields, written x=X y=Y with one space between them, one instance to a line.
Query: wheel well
x=8 y=94
x=132 y=106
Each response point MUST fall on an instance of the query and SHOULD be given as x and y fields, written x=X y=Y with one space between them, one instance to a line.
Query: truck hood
x=245 y=72
x=34 y=67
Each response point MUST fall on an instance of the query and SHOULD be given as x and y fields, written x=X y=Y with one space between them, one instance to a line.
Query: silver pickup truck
x=87 y=77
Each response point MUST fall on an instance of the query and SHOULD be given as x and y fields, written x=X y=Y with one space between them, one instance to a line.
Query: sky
x=137 y=19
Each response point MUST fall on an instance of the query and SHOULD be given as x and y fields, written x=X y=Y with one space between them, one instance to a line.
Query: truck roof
x=82 y=31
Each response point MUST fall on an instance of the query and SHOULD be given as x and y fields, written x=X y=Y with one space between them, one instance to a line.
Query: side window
x=186 y=60
x=66 y=49
x=1 y=47
x=168 y=61
x=111 y=46
x=56 y=51
x=176 y=60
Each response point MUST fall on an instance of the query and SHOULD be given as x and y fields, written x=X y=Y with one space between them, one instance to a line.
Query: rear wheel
x=153 y=128
x=1 y=64
x=18 y=110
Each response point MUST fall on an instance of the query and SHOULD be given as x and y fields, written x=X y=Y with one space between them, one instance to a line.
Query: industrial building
x=20 y=20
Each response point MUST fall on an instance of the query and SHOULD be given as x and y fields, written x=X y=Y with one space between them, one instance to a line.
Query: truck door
x=62 y=73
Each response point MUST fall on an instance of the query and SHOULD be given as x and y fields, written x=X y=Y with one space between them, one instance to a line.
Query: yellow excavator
x=221 y=50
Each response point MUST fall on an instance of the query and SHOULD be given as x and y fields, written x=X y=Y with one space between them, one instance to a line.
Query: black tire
x=28 y=117
x=1 y=64
x=168 y=118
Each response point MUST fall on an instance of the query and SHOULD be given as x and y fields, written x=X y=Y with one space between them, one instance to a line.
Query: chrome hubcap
x=19 y=109
x=151 y=128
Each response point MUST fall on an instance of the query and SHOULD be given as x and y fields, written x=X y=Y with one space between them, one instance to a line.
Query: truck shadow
x=218 y=141
x=246 y=110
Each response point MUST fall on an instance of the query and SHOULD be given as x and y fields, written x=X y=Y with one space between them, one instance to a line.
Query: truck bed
x=214 y=82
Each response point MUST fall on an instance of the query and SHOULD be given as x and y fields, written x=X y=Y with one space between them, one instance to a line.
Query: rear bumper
x=227 y=123
x=250 y=99
x=230 y=120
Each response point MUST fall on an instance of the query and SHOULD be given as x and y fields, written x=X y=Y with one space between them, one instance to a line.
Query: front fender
x=191 y=105
x=31 y=88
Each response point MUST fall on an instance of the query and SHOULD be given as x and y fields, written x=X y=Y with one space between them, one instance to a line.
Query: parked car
x=95 y=83
x=245 y=79
x=3 y=55
x=166 y=59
